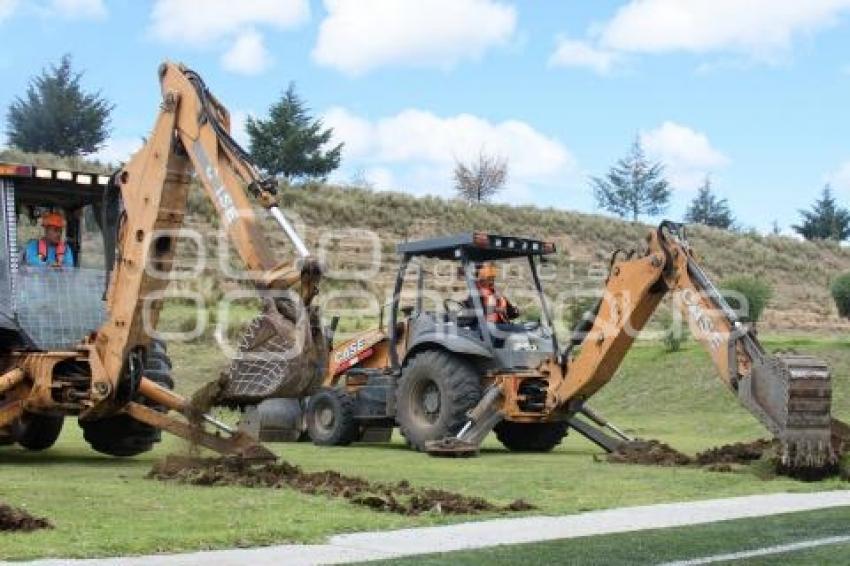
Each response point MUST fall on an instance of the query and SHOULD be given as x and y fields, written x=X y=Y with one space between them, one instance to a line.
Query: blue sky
x=752 y=92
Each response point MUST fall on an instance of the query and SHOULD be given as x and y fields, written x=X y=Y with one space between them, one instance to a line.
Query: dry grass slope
x=800 y=272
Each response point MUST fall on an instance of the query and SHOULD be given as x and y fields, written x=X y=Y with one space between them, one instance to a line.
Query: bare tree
x=481 y=178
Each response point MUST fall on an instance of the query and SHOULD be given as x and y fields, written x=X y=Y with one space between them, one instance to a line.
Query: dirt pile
x=12 y=519
x=648 y=452
x=722 y=458
x=399 y=498
x=726 y=458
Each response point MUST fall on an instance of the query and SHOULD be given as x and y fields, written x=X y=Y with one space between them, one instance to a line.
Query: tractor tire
x=122 y=435
x=330 y=418
x=434 y=394
x=37 y=432
x=531 y=437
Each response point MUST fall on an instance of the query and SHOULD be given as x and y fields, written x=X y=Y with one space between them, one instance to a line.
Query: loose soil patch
x=399 y=498
x=12 y=519
x=727 y=458
x=648 y=452
x=738 y=453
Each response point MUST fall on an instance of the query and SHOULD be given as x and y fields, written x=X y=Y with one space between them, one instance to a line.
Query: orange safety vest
x=60 y=251
x=495 y=306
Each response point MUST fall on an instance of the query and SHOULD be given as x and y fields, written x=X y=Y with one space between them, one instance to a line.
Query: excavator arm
x=790 y=395
x=191 y=134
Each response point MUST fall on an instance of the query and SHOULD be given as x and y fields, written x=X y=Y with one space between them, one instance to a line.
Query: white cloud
x=201 y=22
x=687 y=154
x=574 y=53
x=233 y=25
x=118 y=150
x=64 y=9
x=79 y=9
x=840 y=178
x=247 y=55
x=417 y=149
x=759 y=30
x=360 y=35
x=755 y=27
x=7 y=8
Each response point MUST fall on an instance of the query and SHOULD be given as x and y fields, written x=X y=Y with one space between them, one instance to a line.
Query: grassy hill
x=799 y=272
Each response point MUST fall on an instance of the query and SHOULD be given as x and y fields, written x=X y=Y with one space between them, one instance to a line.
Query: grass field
x=667 y=545
x=103 y=506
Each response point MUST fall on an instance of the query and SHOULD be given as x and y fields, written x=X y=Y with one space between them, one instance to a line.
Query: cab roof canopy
x=477 y=246
x=40 y=186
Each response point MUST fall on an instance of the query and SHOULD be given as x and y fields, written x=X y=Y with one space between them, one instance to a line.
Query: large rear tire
x=531 y=437
x=330 y=418
x=435 y=392
x=122 y=435
x=37 y=432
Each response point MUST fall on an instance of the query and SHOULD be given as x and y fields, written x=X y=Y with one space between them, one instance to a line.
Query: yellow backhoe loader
x=447 y=374
x=64 y=352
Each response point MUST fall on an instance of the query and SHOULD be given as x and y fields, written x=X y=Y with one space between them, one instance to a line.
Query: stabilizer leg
x=235 y=443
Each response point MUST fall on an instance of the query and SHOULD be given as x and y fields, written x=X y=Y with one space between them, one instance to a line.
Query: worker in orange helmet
x=52 y=250
x=497 y=308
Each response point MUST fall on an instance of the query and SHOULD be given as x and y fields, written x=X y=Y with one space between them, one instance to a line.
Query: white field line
x=766 y=551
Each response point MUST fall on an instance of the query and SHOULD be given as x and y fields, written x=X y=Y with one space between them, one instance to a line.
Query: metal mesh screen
x=8 y=252
x=57 y=308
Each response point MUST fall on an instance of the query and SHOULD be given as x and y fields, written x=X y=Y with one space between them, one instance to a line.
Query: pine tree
x=57 y=116
x=633 y=186
x=290 y=143
x=707 y=209
x=825 y=221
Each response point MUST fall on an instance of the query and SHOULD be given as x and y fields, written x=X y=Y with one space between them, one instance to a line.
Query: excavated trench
x=14 y=519
x=399 y=497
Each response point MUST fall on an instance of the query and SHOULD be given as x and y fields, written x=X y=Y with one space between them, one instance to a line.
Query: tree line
x=635 y=186
x=57 y=115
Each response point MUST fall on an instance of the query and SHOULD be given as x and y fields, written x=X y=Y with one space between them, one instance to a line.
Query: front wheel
x=37 y=432
x=531 y=437
x=122 y=435
x=330 y=418
x=435 y=392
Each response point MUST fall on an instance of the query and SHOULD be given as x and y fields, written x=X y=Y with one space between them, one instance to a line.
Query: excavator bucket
x=275 y=358
x=791 y=396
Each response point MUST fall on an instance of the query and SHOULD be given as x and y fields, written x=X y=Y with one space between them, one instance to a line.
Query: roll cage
x=468 y=249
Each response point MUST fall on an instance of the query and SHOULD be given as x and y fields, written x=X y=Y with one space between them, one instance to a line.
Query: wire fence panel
x=59 y=307
x=8 y=252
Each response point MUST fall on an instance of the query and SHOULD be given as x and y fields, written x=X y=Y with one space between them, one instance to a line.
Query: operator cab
x=456 y=317
x=49 y=306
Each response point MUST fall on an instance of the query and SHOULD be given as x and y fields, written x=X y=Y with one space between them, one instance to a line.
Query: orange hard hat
x=486 y=271
x=53 y=219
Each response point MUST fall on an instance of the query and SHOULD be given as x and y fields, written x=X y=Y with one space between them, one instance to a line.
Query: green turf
x=666 y=545
x=103 y=506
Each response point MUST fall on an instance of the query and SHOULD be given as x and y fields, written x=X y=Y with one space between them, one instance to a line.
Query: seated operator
x=52 y=250
x=497 y=308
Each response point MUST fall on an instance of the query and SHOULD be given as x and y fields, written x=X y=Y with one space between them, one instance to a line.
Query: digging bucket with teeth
x=278 y=355
x=792 y=396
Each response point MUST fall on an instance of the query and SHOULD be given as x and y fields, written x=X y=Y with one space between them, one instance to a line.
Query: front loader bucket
x=792 y=397
x=275 y=358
